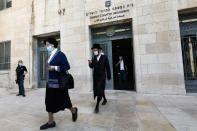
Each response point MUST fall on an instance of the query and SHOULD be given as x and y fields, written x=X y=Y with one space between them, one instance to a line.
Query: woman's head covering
x=52 y=41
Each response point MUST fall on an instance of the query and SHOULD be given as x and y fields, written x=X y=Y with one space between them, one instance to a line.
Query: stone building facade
x=152 y=28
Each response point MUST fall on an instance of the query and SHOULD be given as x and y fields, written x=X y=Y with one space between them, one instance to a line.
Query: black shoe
x=96 y=110
x=75 y=115
x=23 y=95
x=18 y=94
x=47 y=125
x=104 y=102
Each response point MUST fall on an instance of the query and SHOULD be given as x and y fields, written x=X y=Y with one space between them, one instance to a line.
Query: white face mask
x=49 y=49
x=96 y=53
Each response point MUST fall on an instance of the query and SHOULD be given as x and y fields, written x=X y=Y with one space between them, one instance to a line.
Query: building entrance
x=123 y=48
x=116 y=40
x=188 y=26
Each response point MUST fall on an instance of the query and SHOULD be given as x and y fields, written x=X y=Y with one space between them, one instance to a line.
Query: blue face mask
x=20 y=64
x=49 y=49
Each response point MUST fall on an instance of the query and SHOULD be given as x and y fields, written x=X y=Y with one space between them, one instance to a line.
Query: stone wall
x=157 y=38
x=14 y=25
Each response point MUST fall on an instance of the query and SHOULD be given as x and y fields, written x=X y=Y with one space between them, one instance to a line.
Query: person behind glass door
x=122 y=71
x=100 y=66
x=21 y=71
x=56 y=99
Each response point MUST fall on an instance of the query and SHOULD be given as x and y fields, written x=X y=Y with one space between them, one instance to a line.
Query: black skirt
x=57 y=100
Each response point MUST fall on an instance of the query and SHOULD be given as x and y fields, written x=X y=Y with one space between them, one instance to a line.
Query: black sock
x=98 y=101
x=104 y=98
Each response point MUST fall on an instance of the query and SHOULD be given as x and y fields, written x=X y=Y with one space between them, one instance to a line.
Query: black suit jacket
x=101 y=68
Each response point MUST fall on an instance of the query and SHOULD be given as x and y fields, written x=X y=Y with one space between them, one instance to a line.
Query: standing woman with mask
x=21 y=71
x=56 y=99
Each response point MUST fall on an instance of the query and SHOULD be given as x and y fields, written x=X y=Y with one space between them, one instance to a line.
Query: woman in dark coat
x=56 y=99
x=100 y=66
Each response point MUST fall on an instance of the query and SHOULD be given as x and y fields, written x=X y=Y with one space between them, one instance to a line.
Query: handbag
x=66 y=81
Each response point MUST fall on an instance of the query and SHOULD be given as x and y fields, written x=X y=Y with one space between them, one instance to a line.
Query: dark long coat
x=57 y=99
x=101 y=69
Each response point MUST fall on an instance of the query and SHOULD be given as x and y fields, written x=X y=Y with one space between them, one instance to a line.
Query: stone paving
x=125 y=111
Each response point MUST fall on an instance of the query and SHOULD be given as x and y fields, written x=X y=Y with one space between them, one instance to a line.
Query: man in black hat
x=100 y=66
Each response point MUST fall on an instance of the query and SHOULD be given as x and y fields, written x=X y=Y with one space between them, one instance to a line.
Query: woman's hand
x=51 y=68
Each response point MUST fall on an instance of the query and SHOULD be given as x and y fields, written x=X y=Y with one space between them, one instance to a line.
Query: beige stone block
x=142 y=49
x=143 y=2
x=174 y=36
x=180 y=67
x=145 y=19
x=174 y=25
x=5 y=80
x=158 y=1
x=167 y=58
x=147 y=10
x=159 y=17
x=147 y=38
x=159 y=26
x=151 y=49
x=150 y=81
x=139 y=11
x=159 y=8
x=144 y=69
x=170 y=79
x=149 y=59
x=176 y=46
x=158 y=48
x=144 y=29
x=162 y=36
x=192 y=3
x=159 y=68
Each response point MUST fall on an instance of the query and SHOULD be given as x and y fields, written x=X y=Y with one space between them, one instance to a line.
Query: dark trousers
x=123 y=79
x=123 y=76
x=21 y=85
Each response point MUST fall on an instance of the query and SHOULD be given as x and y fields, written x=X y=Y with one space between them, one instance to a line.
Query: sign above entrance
x=108 y=11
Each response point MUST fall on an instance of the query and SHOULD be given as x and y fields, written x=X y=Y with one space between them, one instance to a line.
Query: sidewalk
x=125 y=111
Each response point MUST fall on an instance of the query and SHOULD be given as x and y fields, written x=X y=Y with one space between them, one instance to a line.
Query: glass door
x=189 y=50
x=42 y=64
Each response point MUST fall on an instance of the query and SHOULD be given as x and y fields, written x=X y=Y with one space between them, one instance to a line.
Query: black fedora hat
x=96 y=46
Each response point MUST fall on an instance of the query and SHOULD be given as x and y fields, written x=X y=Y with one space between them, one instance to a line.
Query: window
x=5 y=4
x=5 y=55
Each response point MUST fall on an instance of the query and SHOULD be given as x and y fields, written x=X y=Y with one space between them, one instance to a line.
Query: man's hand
x=90 y=61
x=25 y=73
